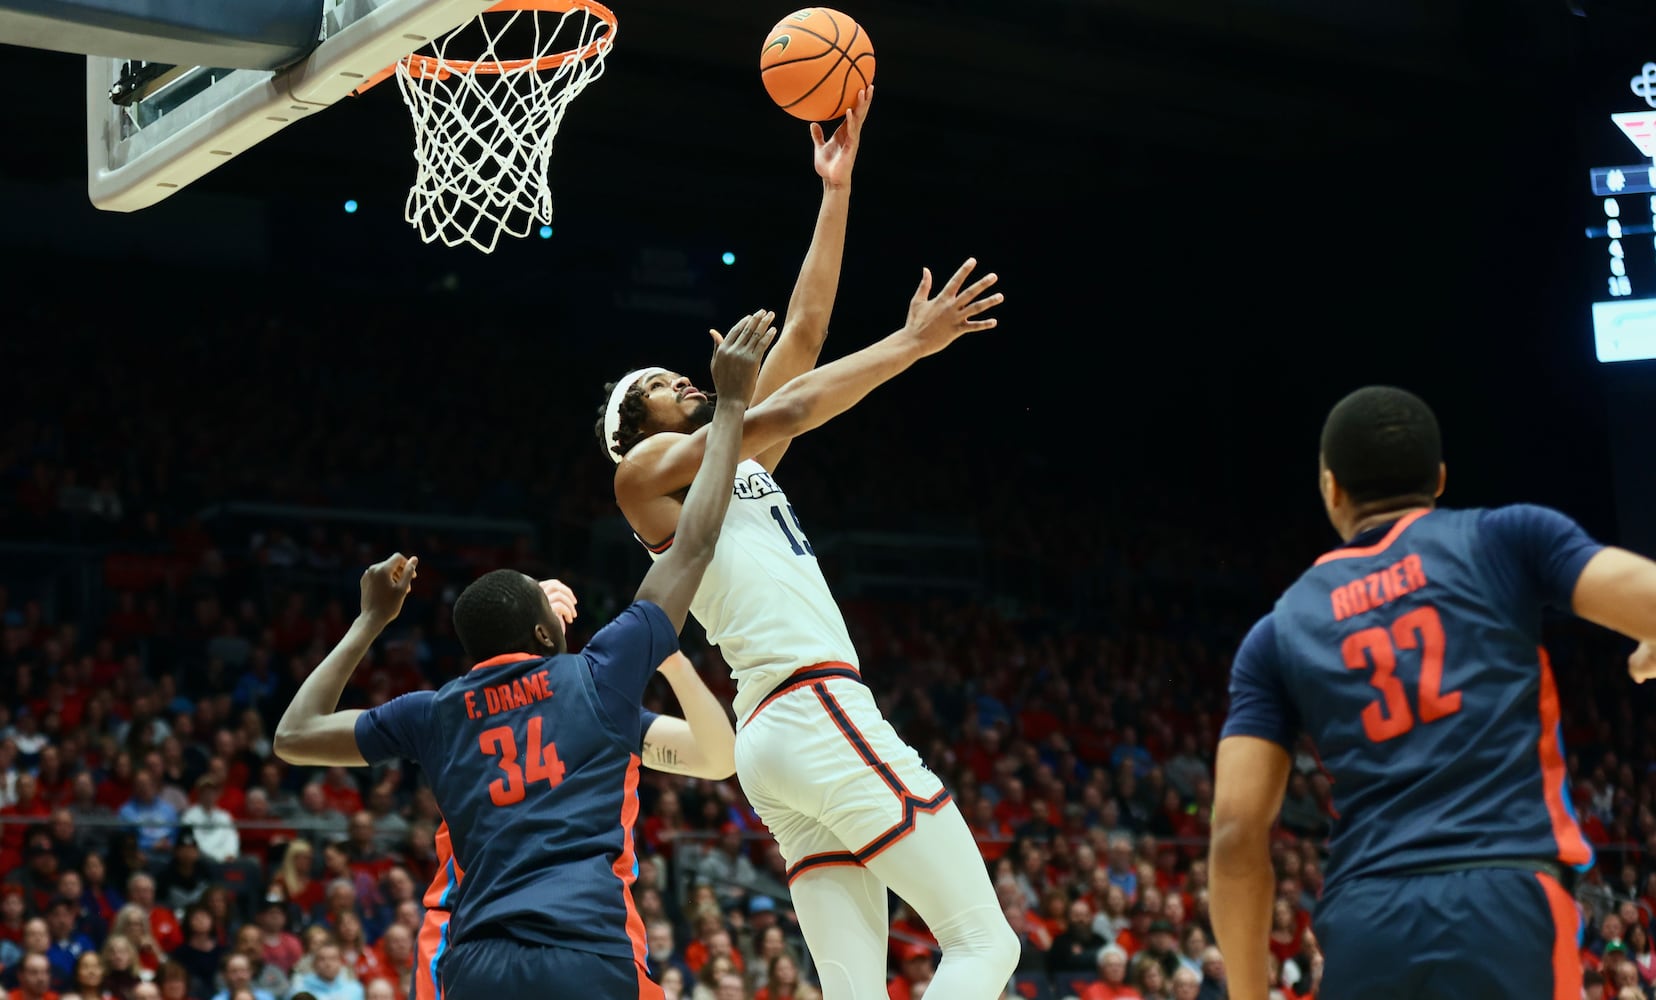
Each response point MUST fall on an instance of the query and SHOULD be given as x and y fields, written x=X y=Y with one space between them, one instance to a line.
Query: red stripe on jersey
x=625 y=868
x=1378 y=547
x=1572 y=846
x=495 y=661
x=1566 y=958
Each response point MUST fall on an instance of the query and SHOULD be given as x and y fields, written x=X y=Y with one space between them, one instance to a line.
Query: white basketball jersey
x=763 y=601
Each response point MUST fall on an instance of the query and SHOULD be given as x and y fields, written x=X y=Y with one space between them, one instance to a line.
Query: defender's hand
x=561 y=598
x=836 y=156
x=939 y=321
x=737 y=355
x=385 y=585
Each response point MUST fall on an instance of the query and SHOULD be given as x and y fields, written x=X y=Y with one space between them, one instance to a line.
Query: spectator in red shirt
x=257 y=840
x=1013 y=808
x=34 y=980
x=366 y=859
x=992 y=835
x=15 y=828
x=116 y=788
x=781 y=980
x=664 y=824
x=281 y=948
x=163 y=924
x=1112 y=977
x=133 y=924
x=53 y=781
x=340 y=792
x=916 y=971
x=396 y=955
x=1285 y=930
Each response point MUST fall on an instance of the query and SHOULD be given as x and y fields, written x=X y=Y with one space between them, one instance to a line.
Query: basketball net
x=486 y=104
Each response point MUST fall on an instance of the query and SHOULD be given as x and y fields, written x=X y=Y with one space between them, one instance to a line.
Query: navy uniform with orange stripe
x=534 y=763
x=439 y=898
x=1413 y=659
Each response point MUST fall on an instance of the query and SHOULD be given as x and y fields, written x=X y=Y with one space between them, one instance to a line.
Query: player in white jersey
x=852 y=807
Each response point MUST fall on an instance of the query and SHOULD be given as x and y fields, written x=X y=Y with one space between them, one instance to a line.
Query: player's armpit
x=1617 y=589
x=670 y=746
x=326 y=741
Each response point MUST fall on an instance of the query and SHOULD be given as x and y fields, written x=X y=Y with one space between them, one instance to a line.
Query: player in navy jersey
x=533 y=754
x=1412 y=658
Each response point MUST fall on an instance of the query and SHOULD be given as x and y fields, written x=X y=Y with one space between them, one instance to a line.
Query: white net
x=486 y=103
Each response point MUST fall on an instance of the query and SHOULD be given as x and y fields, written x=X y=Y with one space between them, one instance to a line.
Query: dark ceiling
x=1057 y=96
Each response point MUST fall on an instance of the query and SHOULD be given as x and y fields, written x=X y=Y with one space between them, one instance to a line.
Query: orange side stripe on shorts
x=1566 y=957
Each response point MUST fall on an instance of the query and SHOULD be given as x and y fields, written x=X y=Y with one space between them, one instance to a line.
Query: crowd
x=152 y=846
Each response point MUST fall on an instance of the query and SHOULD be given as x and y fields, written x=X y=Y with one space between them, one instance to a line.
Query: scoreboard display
x=1623 y=226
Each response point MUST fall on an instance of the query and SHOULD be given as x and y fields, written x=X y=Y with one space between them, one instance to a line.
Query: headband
x=612 y=412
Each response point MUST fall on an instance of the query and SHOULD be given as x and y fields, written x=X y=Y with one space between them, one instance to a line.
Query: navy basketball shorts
x=1480 y=932
x=504 y=969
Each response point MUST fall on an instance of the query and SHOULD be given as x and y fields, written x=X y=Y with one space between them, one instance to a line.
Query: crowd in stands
x=152 y=846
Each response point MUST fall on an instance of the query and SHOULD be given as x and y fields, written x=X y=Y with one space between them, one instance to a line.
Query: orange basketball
x=815 y=61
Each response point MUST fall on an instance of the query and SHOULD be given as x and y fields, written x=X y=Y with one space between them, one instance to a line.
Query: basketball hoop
x=484 y=125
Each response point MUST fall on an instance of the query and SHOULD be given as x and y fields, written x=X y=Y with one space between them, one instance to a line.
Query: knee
x=1004 y=947
x=984 y=933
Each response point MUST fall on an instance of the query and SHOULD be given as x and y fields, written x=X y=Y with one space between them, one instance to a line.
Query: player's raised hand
x=385 y=585
x=1641 y=666
x=940 y=320
x=836 y=156
x=736 y=355
x=561 y=598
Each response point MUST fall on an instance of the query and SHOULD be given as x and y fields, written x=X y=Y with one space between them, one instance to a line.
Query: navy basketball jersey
x=537 y=782
x=1413 y=659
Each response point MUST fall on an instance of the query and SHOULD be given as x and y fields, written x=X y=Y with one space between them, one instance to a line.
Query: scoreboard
x=1623 y=228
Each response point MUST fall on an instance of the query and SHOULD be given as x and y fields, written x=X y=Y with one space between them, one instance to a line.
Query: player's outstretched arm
x=1250 y=777
x=663 y=464
x=1617 y=589
x=312 y=732
x=805 y=324
x=674 y=579
x=700 y=745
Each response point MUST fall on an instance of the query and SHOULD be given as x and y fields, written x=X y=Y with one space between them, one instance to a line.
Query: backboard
x=153 y=128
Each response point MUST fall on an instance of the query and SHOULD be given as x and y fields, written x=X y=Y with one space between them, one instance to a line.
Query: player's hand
x=940 y=320
x=737 y=354
x=1641 y=666
x=385 y=585
x=561 y=598
x=836 y=156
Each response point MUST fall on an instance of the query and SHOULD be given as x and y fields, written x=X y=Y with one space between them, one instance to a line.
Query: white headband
x=612 y=412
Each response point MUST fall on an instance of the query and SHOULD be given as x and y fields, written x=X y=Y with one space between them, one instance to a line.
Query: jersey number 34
x=542 y=763
x=1389 y=716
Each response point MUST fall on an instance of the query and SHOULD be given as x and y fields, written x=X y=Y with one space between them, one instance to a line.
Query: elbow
x=287 y=745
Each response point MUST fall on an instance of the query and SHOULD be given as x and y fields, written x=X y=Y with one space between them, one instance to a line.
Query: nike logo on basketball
x=779 y=42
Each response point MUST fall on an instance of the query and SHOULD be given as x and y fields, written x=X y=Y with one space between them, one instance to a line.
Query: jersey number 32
x=1389 y=716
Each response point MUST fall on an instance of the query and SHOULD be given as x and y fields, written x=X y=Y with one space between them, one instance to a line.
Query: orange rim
x=421 y=67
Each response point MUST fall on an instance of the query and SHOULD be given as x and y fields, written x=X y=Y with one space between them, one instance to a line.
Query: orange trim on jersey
x=1566 y=953
x=504 y=658
x=1380 y=546
x=801 y=677
x=1572 y=846
x=658 y=549
x=426 y=986
x=626 y=868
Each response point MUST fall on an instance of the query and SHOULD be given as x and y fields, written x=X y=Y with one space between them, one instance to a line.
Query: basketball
x=814 y=62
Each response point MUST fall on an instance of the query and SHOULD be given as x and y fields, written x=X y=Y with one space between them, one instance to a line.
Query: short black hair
x=498 y=613
x=630 y=429
x=1382 y=443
